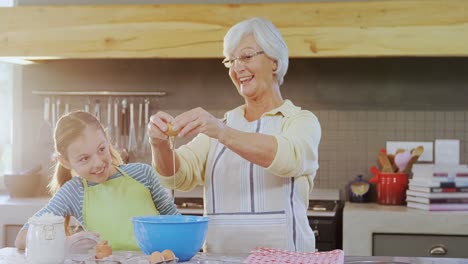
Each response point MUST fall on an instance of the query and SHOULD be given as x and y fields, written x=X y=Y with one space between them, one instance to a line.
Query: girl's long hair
x=69 y=127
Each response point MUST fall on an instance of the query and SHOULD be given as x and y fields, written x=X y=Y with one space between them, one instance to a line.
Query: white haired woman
x=257 y=164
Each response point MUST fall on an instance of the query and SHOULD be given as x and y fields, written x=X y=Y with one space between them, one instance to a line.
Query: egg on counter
x=168 y=255
x=156 y=257
x=103 y=249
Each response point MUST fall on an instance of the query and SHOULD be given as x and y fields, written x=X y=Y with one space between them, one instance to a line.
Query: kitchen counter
x=14 y=256
x=362 y=221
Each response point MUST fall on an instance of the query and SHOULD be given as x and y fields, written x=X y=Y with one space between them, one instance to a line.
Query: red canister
x=391 y=187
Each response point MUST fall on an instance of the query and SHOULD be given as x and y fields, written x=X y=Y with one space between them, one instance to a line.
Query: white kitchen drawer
x=419 y=245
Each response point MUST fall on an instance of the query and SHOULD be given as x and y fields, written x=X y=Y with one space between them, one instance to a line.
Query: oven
x=325 y=218
x=189 y=205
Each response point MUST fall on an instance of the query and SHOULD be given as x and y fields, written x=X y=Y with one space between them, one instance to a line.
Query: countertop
x=360 y=221
x=14 y=256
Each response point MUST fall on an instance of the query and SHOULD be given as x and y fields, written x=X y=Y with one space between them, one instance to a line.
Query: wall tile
x=359 y=105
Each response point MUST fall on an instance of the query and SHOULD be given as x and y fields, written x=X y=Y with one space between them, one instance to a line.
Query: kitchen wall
x=361 y=103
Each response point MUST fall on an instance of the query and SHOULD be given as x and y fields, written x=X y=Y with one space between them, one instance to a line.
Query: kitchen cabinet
x=419 y=245
x=15 y=212
x=10 y=232
x=372 y=230
x=311 y=29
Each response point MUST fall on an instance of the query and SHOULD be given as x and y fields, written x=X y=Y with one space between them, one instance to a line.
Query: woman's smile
x=245 y=80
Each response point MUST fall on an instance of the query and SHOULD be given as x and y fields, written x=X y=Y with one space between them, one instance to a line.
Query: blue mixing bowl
x=183 y=234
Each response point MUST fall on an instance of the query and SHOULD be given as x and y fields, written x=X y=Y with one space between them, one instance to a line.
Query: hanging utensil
x=116 y=123
x=67 y=106
x=132 y=140
x=87 y=104
x=124 y=124
x=146 y=144
x=140 y=130
x=54 y=116
x=124 y=131
x=97 y=109
x=109 y=129
x=57 y=109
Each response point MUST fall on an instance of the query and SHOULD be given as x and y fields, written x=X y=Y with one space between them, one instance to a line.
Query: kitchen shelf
x=100 y=93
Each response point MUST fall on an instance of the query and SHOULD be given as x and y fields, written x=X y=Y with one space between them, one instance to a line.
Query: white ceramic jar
x=45 y=242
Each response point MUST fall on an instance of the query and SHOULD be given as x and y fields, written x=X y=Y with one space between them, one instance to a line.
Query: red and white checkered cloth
x=271 y=255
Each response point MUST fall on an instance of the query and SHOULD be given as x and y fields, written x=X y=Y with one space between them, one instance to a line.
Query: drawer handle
x=438 y=250
x=316 y=233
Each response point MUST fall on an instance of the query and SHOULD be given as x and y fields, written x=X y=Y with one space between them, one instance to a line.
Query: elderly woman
x=257 y=164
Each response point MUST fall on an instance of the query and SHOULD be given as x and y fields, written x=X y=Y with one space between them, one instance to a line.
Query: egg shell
x=103 y=250
x=156 y=257
x=168 y=255
x=170 y=131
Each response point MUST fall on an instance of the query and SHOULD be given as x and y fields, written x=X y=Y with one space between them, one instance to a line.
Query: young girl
x=91 y=184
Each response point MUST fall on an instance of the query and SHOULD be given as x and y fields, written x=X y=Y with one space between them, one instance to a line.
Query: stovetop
x=322 y=207
x=316 y=207
x=188 y=203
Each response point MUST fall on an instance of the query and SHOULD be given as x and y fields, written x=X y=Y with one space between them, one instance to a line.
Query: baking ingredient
x=170 y=130
x=156 y=257
x=168 y=255
x=103 y=249
x=45 y=241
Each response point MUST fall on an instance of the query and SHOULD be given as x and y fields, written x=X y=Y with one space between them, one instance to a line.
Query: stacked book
x=438 y=187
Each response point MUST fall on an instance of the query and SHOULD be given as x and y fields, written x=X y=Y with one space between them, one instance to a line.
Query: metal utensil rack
x=125 y=128
x=99 y=93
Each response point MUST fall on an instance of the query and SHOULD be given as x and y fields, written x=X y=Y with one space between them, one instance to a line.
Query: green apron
x=108 y=209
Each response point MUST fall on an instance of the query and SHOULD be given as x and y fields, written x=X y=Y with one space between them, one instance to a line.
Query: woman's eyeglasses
x=245 y=58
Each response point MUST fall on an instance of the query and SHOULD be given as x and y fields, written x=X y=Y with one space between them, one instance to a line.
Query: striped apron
x=249 y=207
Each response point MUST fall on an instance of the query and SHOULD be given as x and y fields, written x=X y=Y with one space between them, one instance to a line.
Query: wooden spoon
x=415 y=154
x=385 y=163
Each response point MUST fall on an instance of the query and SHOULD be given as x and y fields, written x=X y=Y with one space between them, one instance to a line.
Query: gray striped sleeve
x=67 y=201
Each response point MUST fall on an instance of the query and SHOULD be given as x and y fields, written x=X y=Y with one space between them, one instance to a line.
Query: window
x=6 y=112
x=6 y=117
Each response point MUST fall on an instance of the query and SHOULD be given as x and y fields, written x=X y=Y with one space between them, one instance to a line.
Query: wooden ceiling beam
x=314 y=29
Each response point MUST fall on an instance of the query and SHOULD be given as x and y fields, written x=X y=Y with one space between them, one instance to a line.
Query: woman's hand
x=157 y=126
x=196 y=121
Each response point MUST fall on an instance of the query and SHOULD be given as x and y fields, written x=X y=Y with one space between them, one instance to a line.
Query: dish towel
x=263 y=255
